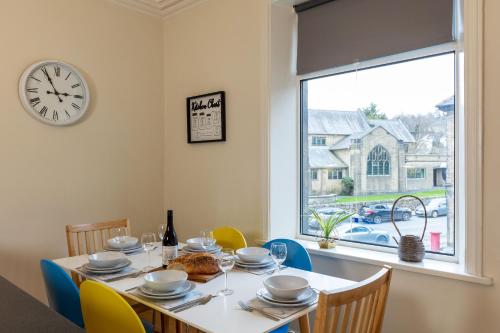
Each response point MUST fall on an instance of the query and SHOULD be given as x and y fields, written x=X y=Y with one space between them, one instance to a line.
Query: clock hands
x=44 y=70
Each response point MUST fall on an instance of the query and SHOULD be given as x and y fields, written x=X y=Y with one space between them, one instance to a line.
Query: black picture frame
x=206 y=117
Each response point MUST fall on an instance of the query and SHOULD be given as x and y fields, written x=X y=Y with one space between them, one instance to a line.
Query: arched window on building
x=379 y=162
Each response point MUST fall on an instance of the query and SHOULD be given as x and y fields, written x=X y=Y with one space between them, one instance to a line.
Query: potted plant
x=328 y=225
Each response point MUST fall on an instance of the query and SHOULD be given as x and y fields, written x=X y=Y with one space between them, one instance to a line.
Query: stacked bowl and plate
x=200 y=245
x=253 y=258
x=124 y=244
x=169 y=284
x=287 y=291
x=106 y=263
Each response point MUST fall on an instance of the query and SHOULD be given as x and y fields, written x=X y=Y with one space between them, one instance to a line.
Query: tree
x=347 y=186
x=372 y=112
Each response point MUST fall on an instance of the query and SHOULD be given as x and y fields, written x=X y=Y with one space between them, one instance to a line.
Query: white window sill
x=428 y=266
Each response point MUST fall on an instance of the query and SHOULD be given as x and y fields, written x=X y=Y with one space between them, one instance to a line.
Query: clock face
x=54 y=93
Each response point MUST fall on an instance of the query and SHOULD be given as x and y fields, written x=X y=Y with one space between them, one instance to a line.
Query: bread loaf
x=195 y=263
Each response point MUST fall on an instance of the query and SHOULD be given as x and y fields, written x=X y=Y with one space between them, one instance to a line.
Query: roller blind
x=342 y=32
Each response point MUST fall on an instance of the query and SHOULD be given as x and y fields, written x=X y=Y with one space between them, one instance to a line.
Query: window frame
x=414 y=177
x=335 y=172
x=318 y=137
x=453 y=47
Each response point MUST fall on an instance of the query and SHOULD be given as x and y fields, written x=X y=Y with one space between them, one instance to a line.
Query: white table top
x=222 y=314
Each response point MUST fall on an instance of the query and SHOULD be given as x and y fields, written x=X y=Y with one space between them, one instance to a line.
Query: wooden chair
x=90 y=238
x=355 y=309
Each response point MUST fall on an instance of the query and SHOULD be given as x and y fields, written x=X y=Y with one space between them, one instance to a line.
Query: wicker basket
x=410 y=247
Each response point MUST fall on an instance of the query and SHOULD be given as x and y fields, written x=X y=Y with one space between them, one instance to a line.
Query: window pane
x=382 y=133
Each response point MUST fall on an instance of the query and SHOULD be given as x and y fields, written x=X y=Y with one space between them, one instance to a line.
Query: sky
x=413 y=87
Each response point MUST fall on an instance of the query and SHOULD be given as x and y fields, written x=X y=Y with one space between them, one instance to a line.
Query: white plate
x=128 y=250
x=214 y=249
x=149 y=291
x=254 y=264
x=192 y=285
x=302 y=297
x=87 y=267
x=266 y=265
x=311 y=300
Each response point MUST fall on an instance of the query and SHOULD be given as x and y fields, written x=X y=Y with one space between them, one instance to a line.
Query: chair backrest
x=296 y=255
x=62 y=293
x=229 y=237
x=105 y=311
x=356 y=309
x=90 y=238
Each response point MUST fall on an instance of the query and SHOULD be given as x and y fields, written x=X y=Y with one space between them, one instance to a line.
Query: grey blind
x=342 y=32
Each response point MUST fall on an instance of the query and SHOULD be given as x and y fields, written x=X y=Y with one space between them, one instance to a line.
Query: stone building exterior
x=381 y=156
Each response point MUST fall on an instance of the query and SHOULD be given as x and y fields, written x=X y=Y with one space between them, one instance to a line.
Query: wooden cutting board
x=203 y=278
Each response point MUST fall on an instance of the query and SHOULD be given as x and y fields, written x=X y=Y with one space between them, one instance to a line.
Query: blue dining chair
x=297 y=255
x=62 y=293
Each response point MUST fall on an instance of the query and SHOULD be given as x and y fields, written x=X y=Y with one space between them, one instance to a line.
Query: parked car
x=361 y=233
x=327 y=212
x=379 y=213
x=435 y=207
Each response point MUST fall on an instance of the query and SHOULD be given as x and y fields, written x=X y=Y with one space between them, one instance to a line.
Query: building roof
x=447 y=105
x=396 y=128
x=336 y=122
x=322 y=157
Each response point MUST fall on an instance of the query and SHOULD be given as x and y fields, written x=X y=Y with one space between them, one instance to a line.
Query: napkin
x=170 y=303
x=278 y=311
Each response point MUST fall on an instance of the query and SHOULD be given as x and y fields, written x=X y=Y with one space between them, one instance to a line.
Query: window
x=318 y=141
x=379 y=162
x=386 y=122
x=415 y=173
x=314 y=174
x=335 y=174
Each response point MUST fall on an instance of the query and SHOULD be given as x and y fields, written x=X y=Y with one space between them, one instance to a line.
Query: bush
x=347 y=186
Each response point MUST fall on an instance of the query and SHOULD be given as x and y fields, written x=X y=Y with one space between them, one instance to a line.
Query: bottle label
x=169 y=253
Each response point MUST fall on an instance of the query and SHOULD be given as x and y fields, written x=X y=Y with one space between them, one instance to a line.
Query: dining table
x=222 y=314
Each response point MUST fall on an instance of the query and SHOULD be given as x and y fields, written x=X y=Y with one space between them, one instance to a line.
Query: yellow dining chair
x=104 y=311
x=229 y=237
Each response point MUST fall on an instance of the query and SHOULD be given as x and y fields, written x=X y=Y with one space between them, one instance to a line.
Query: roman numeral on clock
x=32 y=90
x=34 y=78
x=35 y=101
x=55 y=115
x=43 y=111
x=57 y=70
x=78 y=96
x=67 y=114
x=44 y=70
x=75 y=85
x=75 y=106
x=67 y=76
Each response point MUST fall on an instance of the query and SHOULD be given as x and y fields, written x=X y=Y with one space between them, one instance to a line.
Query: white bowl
x=286 y=286
x=106 y=259
x=253 y=254
x=126 y=242
x=165 y=280
x=195 y=243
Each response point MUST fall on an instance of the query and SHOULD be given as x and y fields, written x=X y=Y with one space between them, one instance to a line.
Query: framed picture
x=206 y=117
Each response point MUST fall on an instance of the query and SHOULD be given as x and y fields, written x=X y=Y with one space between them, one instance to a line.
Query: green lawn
x=391 y=196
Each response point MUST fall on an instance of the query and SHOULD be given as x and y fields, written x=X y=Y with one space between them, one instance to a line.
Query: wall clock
x=54 y=93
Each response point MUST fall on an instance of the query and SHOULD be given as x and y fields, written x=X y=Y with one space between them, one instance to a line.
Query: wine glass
x=278 y=253
x=161 y=231
x=225 y=260
x=120 y=235
x=207 y=239
x=148 y=240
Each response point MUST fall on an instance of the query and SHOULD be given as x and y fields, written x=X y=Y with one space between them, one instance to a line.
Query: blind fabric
x=342 y=32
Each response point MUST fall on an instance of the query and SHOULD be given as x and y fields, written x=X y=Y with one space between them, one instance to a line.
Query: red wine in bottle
x=169 y=245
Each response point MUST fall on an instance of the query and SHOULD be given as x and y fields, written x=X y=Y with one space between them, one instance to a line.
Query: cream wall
x=217 y=45
x=110 y=165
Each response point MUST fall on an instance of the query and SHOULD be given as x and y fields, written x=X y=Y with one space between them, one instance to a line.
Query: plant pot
x=326 y=244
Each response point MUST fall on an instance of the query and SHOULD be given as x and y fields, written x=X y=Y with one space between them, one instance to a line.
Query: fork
x=201 y=301
x=249 y=308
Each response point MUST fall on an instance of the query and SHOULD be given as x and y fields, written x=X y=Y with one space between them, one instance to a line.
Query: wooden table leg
x=304 y=324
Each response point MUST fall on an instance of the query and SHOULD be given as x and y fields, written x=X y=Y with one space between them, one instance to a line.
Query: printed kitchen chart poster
x=206 y=118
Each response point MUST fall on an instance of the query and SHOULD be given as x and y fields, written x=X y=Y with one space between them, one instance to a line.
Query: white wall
x=217 y=45
x=105 y=167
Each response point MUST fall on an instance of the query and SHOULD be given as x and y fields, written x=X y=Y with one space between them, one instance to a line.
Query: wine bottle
x=169 y=245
